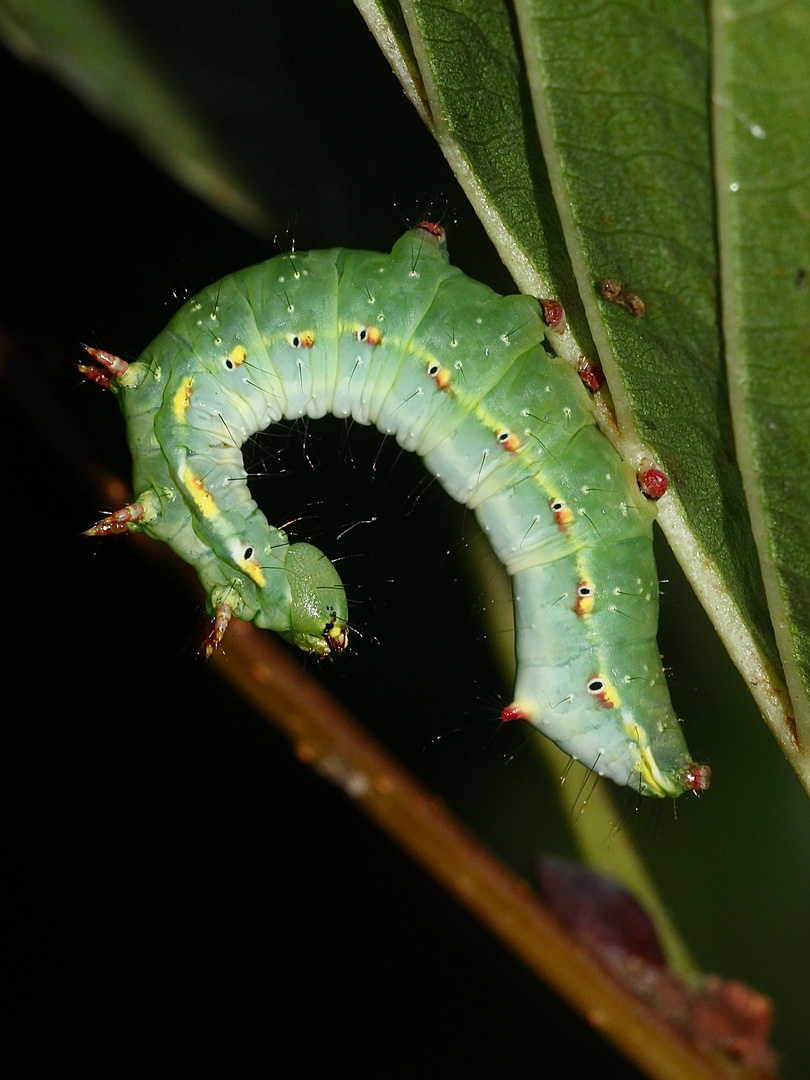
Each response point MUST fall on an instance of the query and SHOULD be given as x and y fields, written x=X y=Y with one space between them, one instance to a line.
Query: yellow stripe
x=648 y=768
x=253 y=571
x=203 y=499
x=182 y=399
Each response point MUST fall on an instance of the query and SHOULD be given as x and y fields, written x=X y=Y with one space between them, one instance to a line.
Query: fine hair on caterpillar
x=460 y=376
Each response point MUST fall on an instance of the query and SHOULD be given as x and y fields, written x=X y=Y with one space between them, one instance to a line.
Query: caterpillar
x=461 y=376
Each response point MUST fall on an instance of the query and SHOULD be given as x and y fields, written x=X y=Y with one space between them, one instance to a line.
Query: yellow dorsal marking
x=611 y=696
x=182 y=399
x=203 y=499
x=606 y=694
x=562 y=512
x=647 y=766
x=585 y=600
x=253 y=571
x=442 y=378
x=238 y=355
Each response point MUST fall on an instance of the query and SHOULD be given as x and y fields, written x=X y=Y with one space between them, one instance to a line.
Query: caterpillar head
x=318 y=609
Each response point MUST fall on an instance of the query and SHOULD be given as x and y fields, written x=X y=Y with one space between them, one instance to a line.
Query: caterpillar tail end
x=513 y=712
x=110 y=367
x=213 y=639
x=120 y=521
x=696 y=777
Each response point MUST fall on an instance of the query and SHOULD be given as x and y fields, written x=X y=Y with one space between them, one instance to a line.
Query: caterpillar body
x=459 y=375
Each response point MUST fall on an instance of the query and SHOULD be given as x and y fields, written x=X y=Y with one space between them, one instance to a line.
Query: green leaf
x=762 y=154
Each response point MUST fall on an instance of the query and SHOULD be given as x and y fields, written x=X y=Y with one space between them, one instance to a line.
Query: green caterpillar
x=460 y=376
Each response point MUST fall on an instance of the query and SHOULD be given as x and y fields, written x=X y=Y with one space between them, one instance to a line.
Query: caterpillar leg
x=117 y=522
x=110 y=366
x=213 y=639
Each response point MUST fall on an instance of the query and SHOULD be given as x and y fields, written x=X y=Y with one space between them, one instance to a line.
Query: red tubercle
x=591 y=374
x=652 y=481
x=433 y=228
x=513 y=712
x=553 y=314
x=696 y=777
